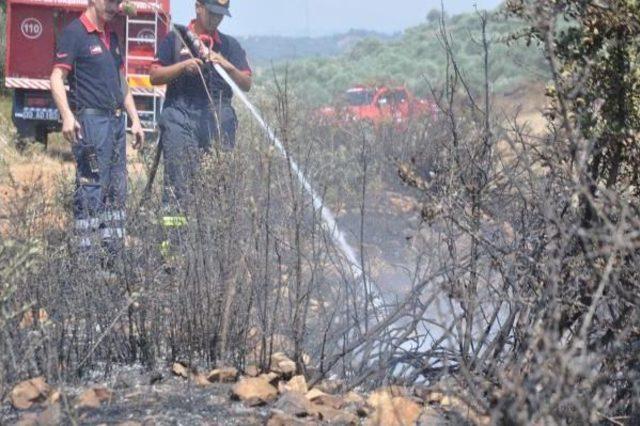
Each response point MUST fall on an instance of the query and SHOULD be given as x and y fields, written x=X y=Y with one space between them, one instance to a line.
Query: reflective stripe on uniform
x=84 y=224
x=174 y=221
x=111 y=215
x=84 y=242
x=112 y=233
x=165 y=247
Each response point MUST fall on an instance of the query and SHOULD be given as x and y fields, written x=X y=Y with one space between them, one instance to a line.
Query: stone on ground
x=392 y=410
x=92 y=398
x=29 y=392
x=314 y=393
x=294 y=403
x=279 y=418
x=254 y=391
x=180 y=370
x=281 y=364
x=225 y=374
x=330 y=415
x=296 y=384
x=332 y=401
x=252 y=371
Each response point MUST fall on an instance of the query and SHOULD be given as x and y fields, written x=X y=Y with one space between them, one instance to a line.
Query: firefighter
x=88 y=56
x=194 y=118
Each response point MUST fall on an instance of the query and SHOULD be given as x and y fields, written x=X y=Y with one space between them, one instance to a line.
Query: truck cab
x=33 y=27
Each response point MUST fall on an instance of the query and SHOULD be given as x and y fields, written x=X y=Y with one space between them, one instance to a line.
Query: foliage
x=595 y=58
x=539 y=229
x=263 y=51
x=417 y=60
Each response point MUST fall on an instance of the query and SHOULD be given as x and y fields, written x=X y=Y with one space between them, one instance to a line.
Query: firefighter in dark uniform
x=195 y=117
x=88 y=56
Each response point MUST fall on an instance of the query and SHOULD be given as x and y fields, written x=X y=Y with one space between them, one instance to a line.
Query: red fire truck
x=378 y=105
x=32 y=29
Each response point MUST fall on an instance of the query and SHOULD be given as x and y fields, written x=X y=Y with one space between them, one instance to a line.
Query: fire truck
x=33 y=27
x=378 y=105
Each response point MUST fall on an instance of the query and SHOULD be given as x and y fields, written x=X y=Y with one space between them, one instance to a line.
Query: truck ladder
x=139 y=83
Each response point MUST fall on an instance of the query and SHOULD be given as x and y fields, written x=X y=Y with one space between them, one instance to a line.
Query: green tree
x=434 y=15
x=592 y=48
x=596 y=90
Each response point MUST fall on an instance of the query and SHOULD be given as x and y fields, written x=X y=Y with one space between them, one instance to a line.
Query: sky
x=324 y=17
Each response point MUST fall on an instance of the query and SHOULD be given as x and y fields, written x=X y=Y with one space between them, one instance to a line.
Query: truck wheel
x=25 y=135
x=42 y=135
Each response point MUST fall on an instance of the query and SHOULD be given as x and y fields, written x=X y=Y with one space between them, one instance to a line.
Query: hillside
x=417 y=58
x=265 y=50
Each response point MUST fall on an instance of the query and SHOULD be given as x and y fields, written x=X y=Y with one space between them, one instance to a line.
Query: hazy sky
x=321 y=17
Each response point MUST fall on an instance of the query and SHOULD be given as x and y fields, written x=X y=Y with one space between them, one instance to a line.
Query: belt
x=116 y=112
x=198 y=103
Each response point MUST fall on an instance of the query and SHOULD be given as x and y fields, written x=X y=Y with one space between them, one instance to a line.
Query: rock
x=393 y=410
x=354 y=403
x=431 y=397
x=93 y=397
x=270 y=377
x=353 y=398
x=201 y=380
x=88 y=399
x=294 y=404
x=252 y=371
x=227 y=374
x=332 y=401
x=431 y=417
x=281 y=364
x=180 y=370
x=423 y=393
x=29 y=392
x=455 y=405
x=296 y=384
x=333 y=416
x=330 y=386
x=254 y=391
x=389 y=391
x=378 y=397
x=54 y=397
x=314 y=393
x=278 y=418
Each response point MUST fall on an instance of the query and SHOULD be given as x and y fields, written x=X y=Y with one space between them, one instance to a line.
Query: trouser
x=187 y=133
x=101 y=182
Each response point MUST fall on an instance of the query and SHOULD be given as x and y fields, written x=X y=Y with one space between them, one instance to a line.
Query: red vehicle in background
x=378 y=106
x=32 y=30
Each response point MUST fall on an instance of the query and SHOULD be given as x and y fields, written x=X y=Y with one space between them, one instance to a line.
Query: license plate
x=49 y=114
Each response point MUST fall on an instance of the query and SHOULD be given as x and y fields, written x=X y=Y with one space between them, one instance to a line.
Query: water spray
x=328 y=222
x=328 y=218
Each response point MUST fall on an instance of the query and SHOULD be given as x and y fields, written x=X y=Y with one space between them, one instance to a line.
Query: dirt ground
x=141 y=397
x=40 y=172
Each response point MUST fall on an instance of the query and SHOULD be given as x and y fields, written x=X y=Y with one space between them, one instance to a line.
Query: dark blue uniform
x=190 y=123
x=94 y=61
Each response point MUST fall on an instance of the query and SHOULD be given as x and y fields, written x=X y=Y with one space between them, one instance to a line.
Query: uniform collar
x=215 y=35
x=90 y=26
